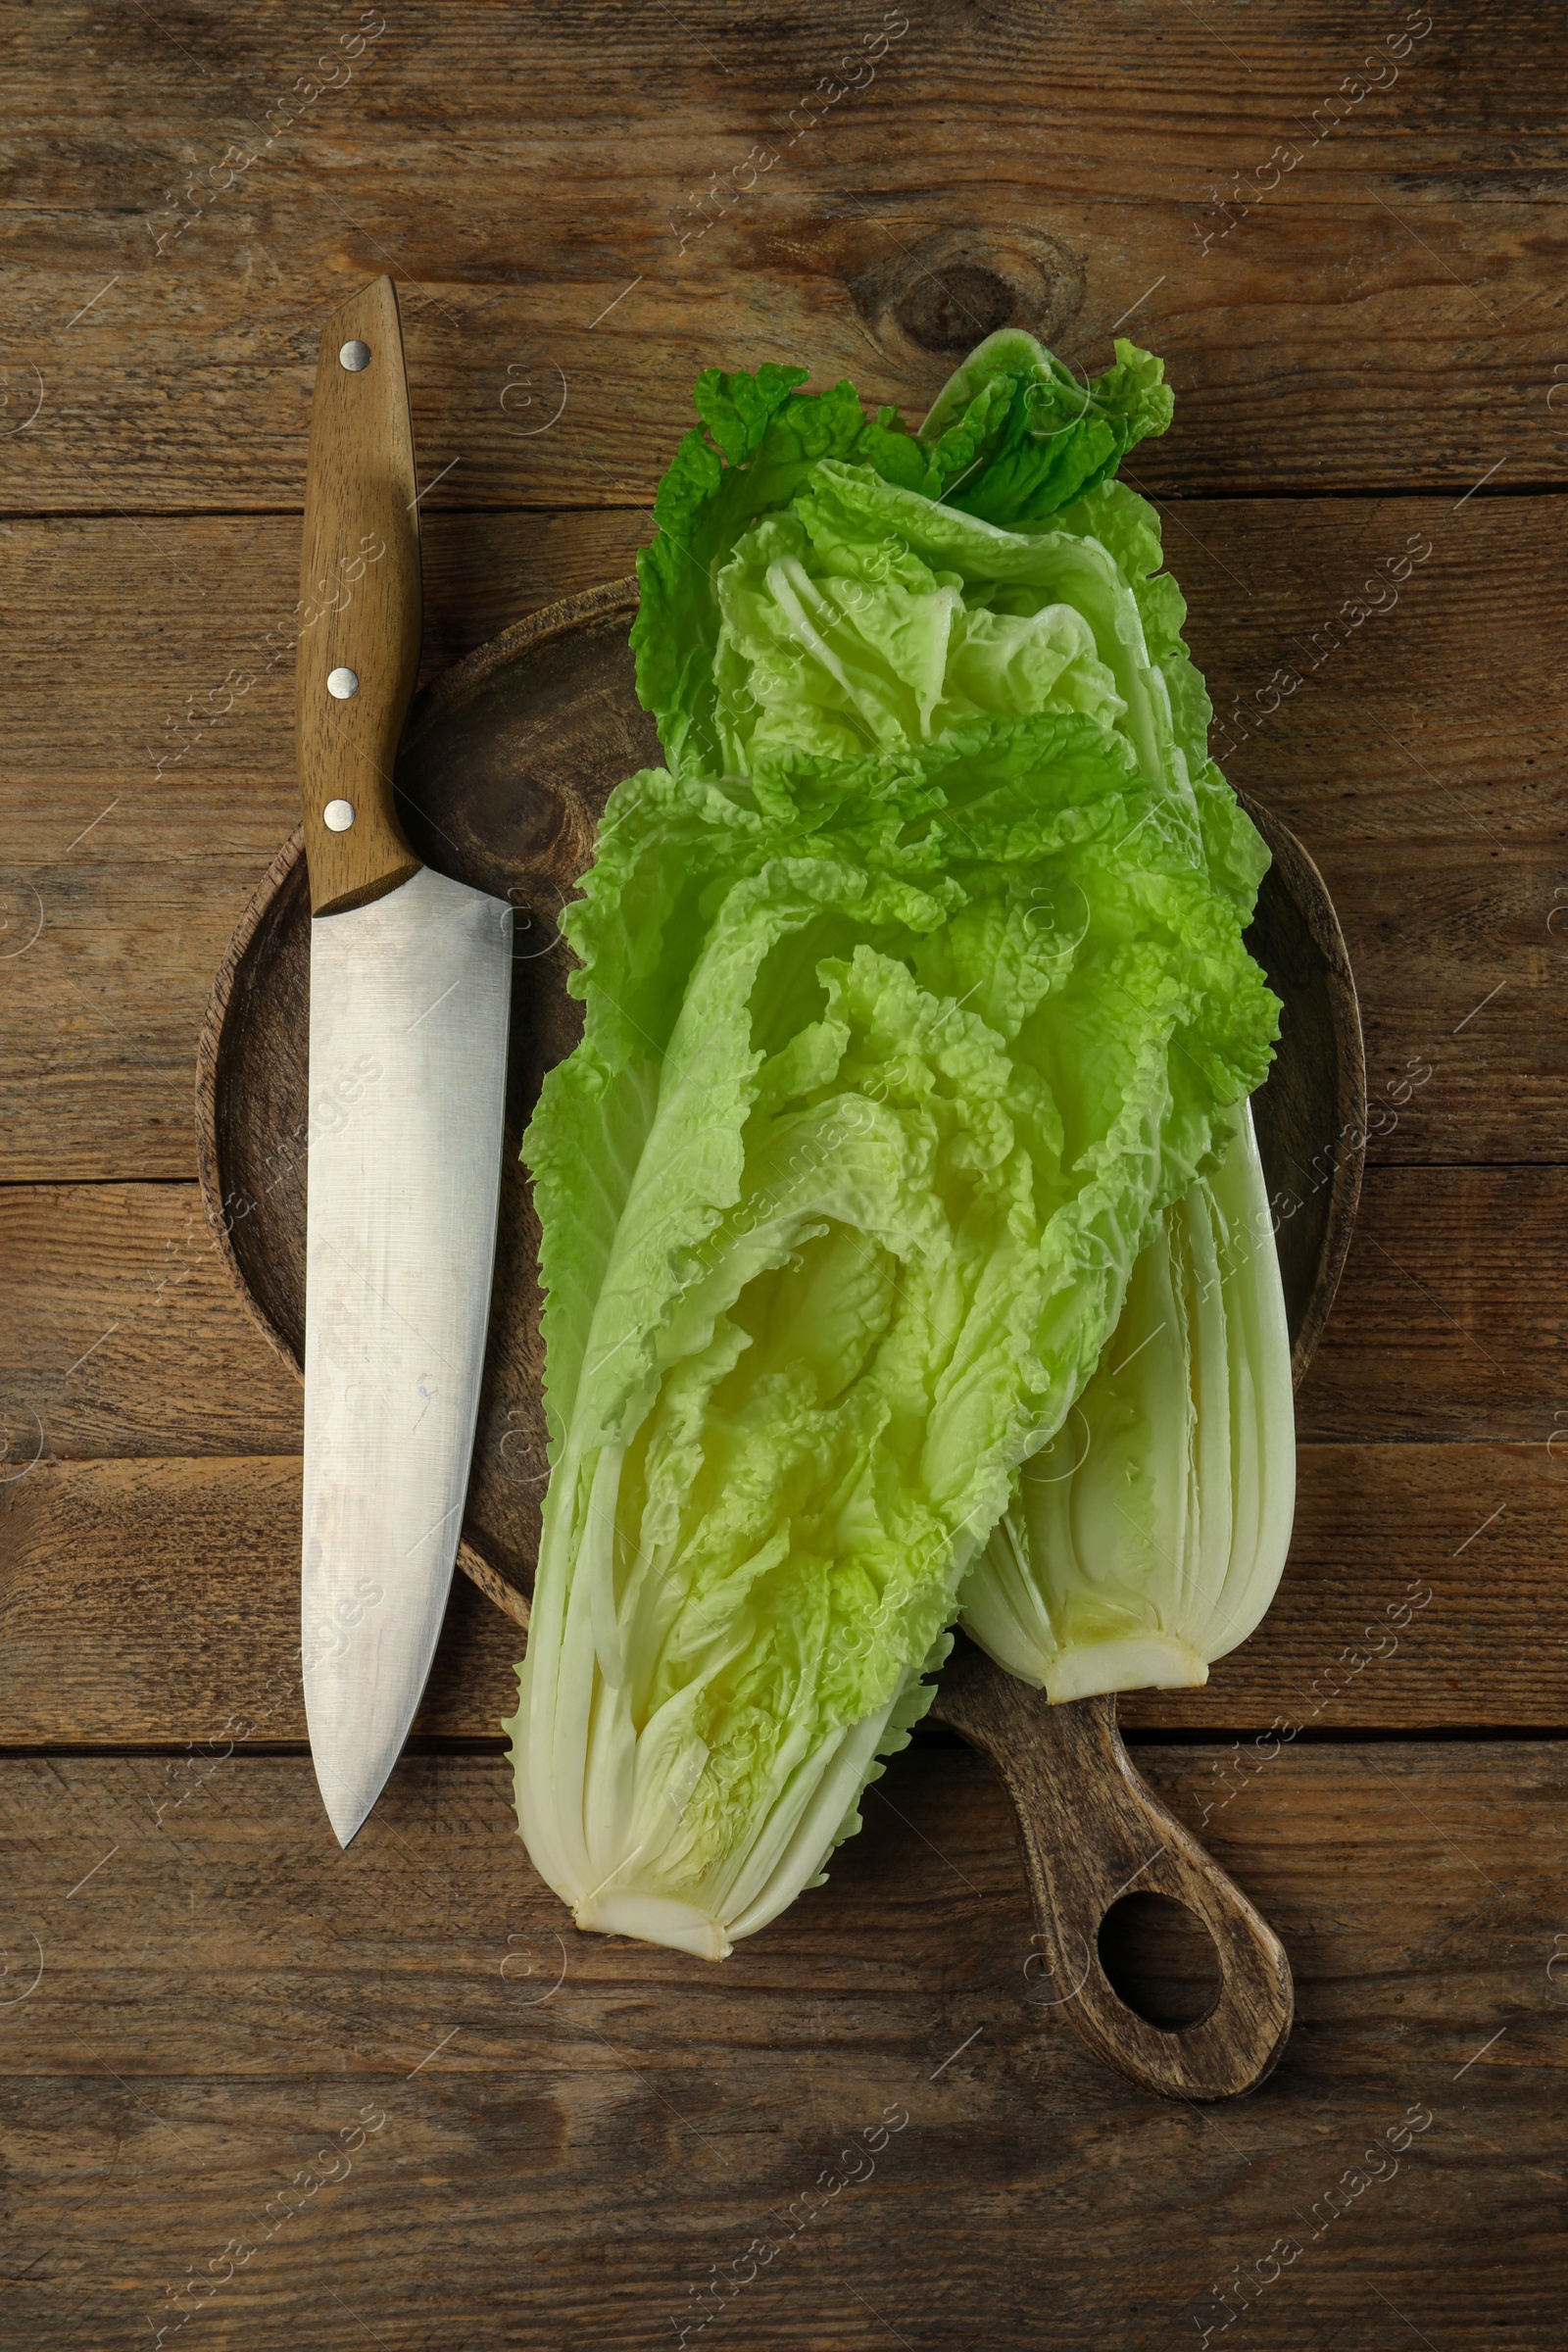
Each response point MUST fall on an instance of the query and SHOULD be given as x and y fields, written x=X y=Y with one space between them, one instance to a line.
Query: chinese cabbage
x=915 y=997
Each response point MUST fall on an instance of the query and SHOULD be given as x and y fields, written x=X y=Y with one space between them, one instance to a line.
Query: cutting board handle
x=1093 y=1831
x=358 y=651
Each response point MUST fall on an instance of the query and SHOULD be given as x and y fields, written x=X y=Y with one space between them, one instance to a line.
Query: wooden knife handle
x=1093 y=1831
x=359 y=606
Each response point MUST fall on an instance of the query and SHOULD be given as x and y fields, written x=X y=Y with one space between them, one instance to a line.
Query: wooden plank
x=173 y=1589
x=540 y=2138
x=1430 y=721
x=157 y=1600
x=1415 y=763
x=1443 y=1328
x=1384 y=313
x=123 y=930
x=171 y=609
x=123 y=1335
x=1458 y=954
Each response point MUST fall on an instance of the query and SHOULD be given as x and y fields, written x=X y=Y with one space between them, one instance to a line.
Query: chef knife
x=410 y=991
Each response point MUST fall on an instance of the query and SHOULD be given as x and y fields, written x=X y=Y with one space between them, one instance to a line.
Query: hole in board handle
x=1160 y=1961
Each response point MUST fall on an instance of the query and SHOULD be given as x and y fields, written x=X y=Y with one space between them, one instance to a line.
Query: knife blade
x=410 y=995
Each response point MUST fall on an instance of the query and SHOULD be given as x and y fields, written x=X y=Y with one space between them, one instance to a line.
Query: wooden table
x=256 y=2093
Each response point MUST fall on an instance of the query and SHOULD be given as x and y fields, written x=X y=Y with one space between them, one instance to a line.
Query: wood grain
x=1451 y=1323
x=361 y=604
x=225 y=1993
x=1384 y=315
x=122 y=1333
x=138 y=879
x=149 y=1601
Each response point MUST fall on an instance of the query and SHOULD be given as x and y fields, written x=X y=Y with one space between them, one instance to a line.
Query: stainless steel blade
x=408 y=1008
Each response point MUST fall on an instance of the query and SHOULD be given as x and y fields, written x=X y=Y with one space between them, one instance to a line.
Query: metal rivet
x=342 y=683
x=353 y=357
x=339 y=815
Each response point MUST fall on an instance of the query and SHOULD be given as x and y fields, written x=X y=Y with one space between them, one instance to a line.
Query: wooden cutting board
x=504 y=773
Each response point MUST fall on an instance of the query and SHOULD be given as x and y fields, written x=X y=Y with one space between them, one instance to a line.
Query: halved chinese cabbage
x=1149 y=1537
